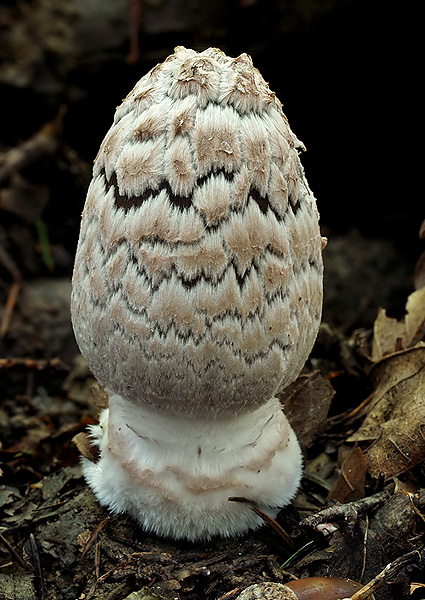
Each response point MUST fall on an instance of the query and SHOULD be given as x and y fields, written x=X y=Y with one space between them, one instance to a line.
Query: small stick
x=94 y=537
x=275 y=525
x=269 y=520
x=33 y=364
x=366 y=531
x=8 y=309
x=231 y=594
x=97 y=551
x=13 y=552
x=384 y=575
x=37 y=564
x=101 y=579
x=135 y=18
x=339 y=512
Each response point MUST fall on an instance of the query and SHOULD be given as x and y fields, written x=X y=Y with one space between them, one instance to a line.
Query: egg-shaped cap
x=197 y=286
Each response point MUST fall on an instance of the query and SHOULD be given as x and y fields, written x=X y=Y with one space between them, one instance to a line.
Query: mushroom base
x=175 y=476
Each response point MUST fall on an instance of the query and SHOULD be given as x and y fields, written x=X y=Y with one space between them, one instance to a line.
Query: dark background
x=347 y=73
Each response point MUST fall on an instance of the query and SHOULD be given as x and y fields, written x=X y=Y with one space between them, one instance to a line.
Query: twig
x=37 y=565
x=33 y=364
x=269 y=520
x=94 y=537
x=7 y=261
x=13 y=552
x=338 y=512
x=366 y=531
x=97 y=552
x=48 y=506
x=8 y=309
x=275 y=525
x=101 y=579
x=43 y=142
x=231 y=594
x=136 y=8
x=390 y=570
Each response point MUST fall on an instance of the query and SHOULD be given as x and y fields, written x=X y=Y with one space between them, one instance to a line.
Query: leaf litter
x=394 y=416
x=358 y=410
x=339 y=523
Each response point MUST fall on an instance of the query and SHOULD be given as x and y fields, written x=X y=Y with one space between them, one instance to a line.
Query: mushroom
x=197 y=294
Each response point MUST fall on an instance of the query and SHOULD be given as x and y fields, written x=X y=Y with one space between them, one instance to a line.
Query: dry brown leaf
x=390 y=335
x=386 y=335
x=351 y=481
x=415 y=317
x=396 y=414
x=307 y=403
x=85 y=446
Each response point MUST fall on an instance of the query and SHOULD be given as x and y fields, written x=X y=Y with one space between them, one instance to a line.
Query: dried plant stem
x=389 y=571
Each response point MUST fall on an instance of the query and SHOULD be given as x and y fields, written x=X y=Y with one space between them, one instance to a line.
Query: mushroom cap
x=197 y=285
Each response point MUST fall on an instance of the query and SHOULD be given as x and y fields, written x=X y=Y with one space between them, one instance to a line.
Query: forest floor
x=358 y=407
x=361 y=504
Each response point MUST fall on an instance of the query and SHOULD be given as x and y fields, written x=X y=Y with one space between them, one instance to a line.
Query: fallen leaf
x=390 y=335
x=415 y=317
x=85 y=446
x=395 y=420
x=307 y=403
x=351 y=481
x=395 y=411
x=386 y=333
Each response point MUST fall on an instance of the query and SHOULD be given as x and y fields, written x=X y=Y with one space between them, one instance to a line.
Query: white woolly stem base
x=175 y=476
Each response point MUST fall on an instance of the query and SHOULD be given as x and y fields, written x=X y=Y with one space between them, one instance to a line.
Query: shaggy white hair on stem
x=176 y=478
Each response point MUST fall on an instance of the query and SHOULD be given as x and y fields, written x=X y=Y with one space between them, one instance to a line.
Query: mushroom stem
x=175 y=475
